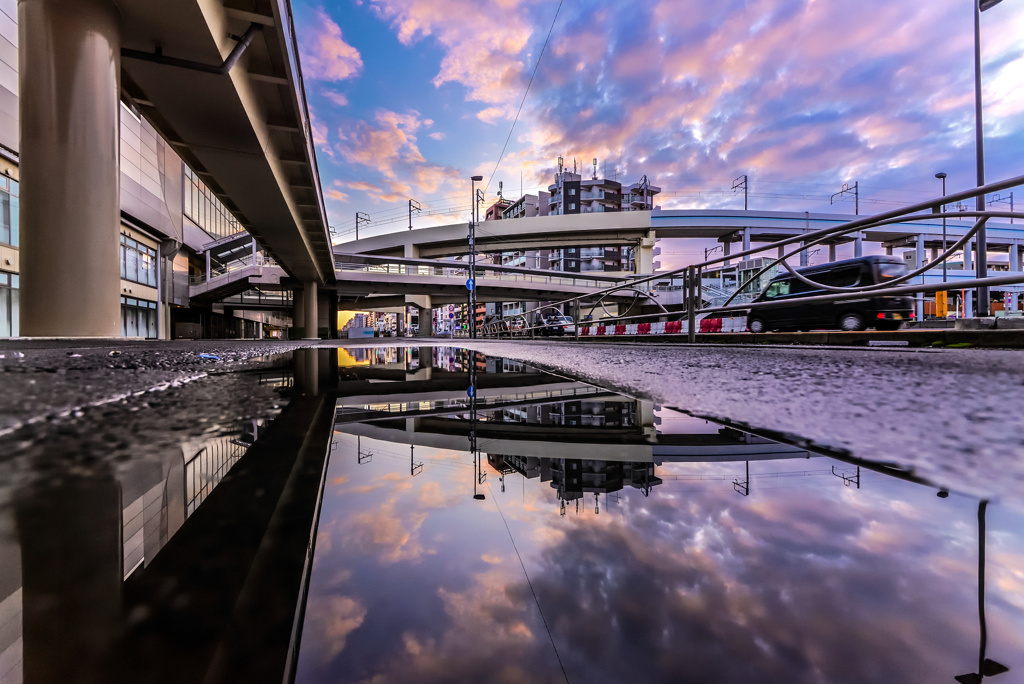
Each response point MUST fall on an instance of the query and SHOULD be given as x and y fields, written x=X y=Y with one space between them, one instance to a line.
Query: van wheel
x=756 y=325
x=851 y=322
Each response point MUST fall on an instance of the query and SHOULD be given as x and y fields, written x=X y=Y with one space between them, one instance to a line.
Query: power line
x=523 y=101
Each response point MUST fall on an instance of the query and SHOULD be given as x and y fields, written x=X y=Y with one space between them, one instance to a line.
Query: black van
x=884 y=313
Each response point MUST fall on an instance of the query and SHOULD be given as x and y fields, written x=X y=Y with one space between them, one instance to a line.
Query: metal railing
x=692 y=276
x=230 y=267
x=483 y=274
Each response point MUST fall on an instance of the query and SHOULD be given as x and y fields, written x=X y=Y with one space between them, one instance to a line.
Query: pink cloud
x=325 y=54
x=337 y=98
x=388 y=147
x=485 y=47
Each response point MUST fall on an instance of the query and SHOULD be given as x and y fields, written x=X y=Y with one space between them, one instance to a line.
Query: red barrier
x=711 y=325
x=600 y=330
x=585 y=330
x=673 y=327
x=643 y=329
x=620 y=330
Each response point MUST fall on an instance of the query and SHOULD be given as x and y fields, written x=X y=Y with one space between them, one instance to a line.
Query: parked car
x=557 y=325
x=881 y=312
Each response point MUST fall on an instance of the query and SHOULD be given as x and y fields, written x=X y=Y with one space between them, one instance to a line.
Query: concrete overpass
x=222 y=85
x=643 y=227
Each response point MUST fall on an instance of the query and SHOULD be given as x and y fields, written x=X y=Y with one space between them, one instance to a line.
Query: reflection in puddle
x=432 y=515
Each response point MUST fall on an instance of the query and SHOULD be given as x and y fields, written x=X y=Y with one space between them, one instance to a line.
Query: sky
x=409 y=98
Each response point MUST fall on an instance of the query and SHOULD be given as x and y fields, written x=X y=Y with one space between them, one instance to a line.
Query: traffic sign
x=470 y=284
x=471 y=391
x=451 y=315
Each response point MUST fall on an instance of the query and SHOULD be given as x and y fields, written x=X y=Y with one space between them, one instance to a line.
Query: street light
x=981 y=261
x=941 y=175
x=472 y=257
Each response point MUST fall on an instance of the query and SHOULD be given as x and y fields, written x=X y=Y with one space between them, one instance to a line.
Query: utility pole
x=999 y=199
x=847 y=190
x=471 y=283
x=361 y=218
x=413 y=206
x=741 y=182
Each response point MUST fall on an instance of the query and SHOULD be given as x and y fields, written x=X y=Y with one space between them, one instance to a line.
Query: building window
x=138 y=317
x=9 y=309
x=204 y=209
x=8 y=211
x=138 y=262
x=572 y=205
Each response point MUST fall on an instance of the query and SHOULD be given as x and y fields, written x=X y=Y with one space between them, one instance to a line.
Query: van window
x=843 y=277
x=780 y=288
x=888 y=269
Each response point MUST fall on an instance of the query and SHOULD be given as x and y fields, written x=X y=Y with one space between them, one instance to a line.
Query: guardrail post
x=691 y=306
x=576 y=318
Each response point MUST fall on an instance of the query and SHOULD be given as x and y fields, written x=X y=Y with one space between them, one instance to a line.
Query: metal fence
x=692 y=276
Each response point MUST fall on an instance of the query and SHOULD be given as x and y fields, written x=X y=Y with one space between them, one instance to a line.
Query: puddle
x=479 y=520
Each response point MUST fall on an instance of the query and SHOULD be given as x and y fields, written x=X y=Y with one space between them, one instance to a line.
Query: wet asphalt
x=954 y=416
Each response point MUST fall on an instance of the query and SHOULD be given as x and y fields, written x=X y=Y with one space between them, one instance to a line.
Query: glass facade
x=8 y=211
x=138 y=317
x=204 y=209
x=8 y=304
x=138 y=262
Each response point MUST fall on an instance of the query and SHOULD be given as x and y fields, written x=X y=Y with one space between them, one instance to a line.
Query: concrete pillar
x=69 y=101
x=832 y=252
x=1014 y=258
x=803 y=255
x=968 y=303
x=310 y=308
x=746 y=239
x=782 y=251
x=969 y=256
x=935 y=254
x=919 y=261
x=726 y=247
x=207 y=265
x=323 y=311
x=298 y=309
x=888 y=250
x=858 y=246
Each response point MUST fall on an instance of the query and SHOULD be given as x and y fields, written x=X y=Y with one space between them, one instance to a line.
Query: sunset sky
x=411 y=97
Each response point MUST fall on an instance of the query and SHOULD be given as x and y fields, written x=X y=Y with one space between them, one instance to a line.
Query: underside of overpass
x=220 y=81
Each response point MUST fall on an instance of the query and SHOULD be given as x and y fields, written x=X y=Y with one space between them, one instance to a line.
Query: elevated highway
x=641 y=228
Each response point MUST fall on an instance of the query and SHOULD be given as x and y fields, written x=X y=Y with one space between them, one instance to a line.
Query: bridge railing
x=692 y=276
x=231 y=267
x=483 y=273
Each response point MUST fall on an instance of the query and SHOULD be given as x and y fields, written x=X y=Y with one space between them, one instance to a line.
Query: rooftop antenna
x=595 y=168
x=560 y=164
x=574 y=164
x=499 y=190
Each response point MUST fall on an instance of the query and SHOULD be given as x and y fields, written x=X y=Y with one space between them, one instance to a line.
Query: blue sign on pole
x=470 y=284
x=471 y=391
x=451 y=315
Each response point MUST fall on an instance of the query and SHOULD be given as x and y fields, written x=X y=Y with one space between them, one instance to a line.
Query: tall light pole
x=981 y=260
x=941 y=175
x=471 y=284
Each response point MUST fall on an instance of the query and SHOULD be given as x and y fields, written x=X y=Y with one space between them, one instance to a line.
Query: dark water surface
x=362 y=515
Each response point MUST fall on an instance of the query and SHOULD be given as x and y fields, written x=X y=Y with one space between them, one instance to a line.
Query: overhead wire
x=527 y=92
